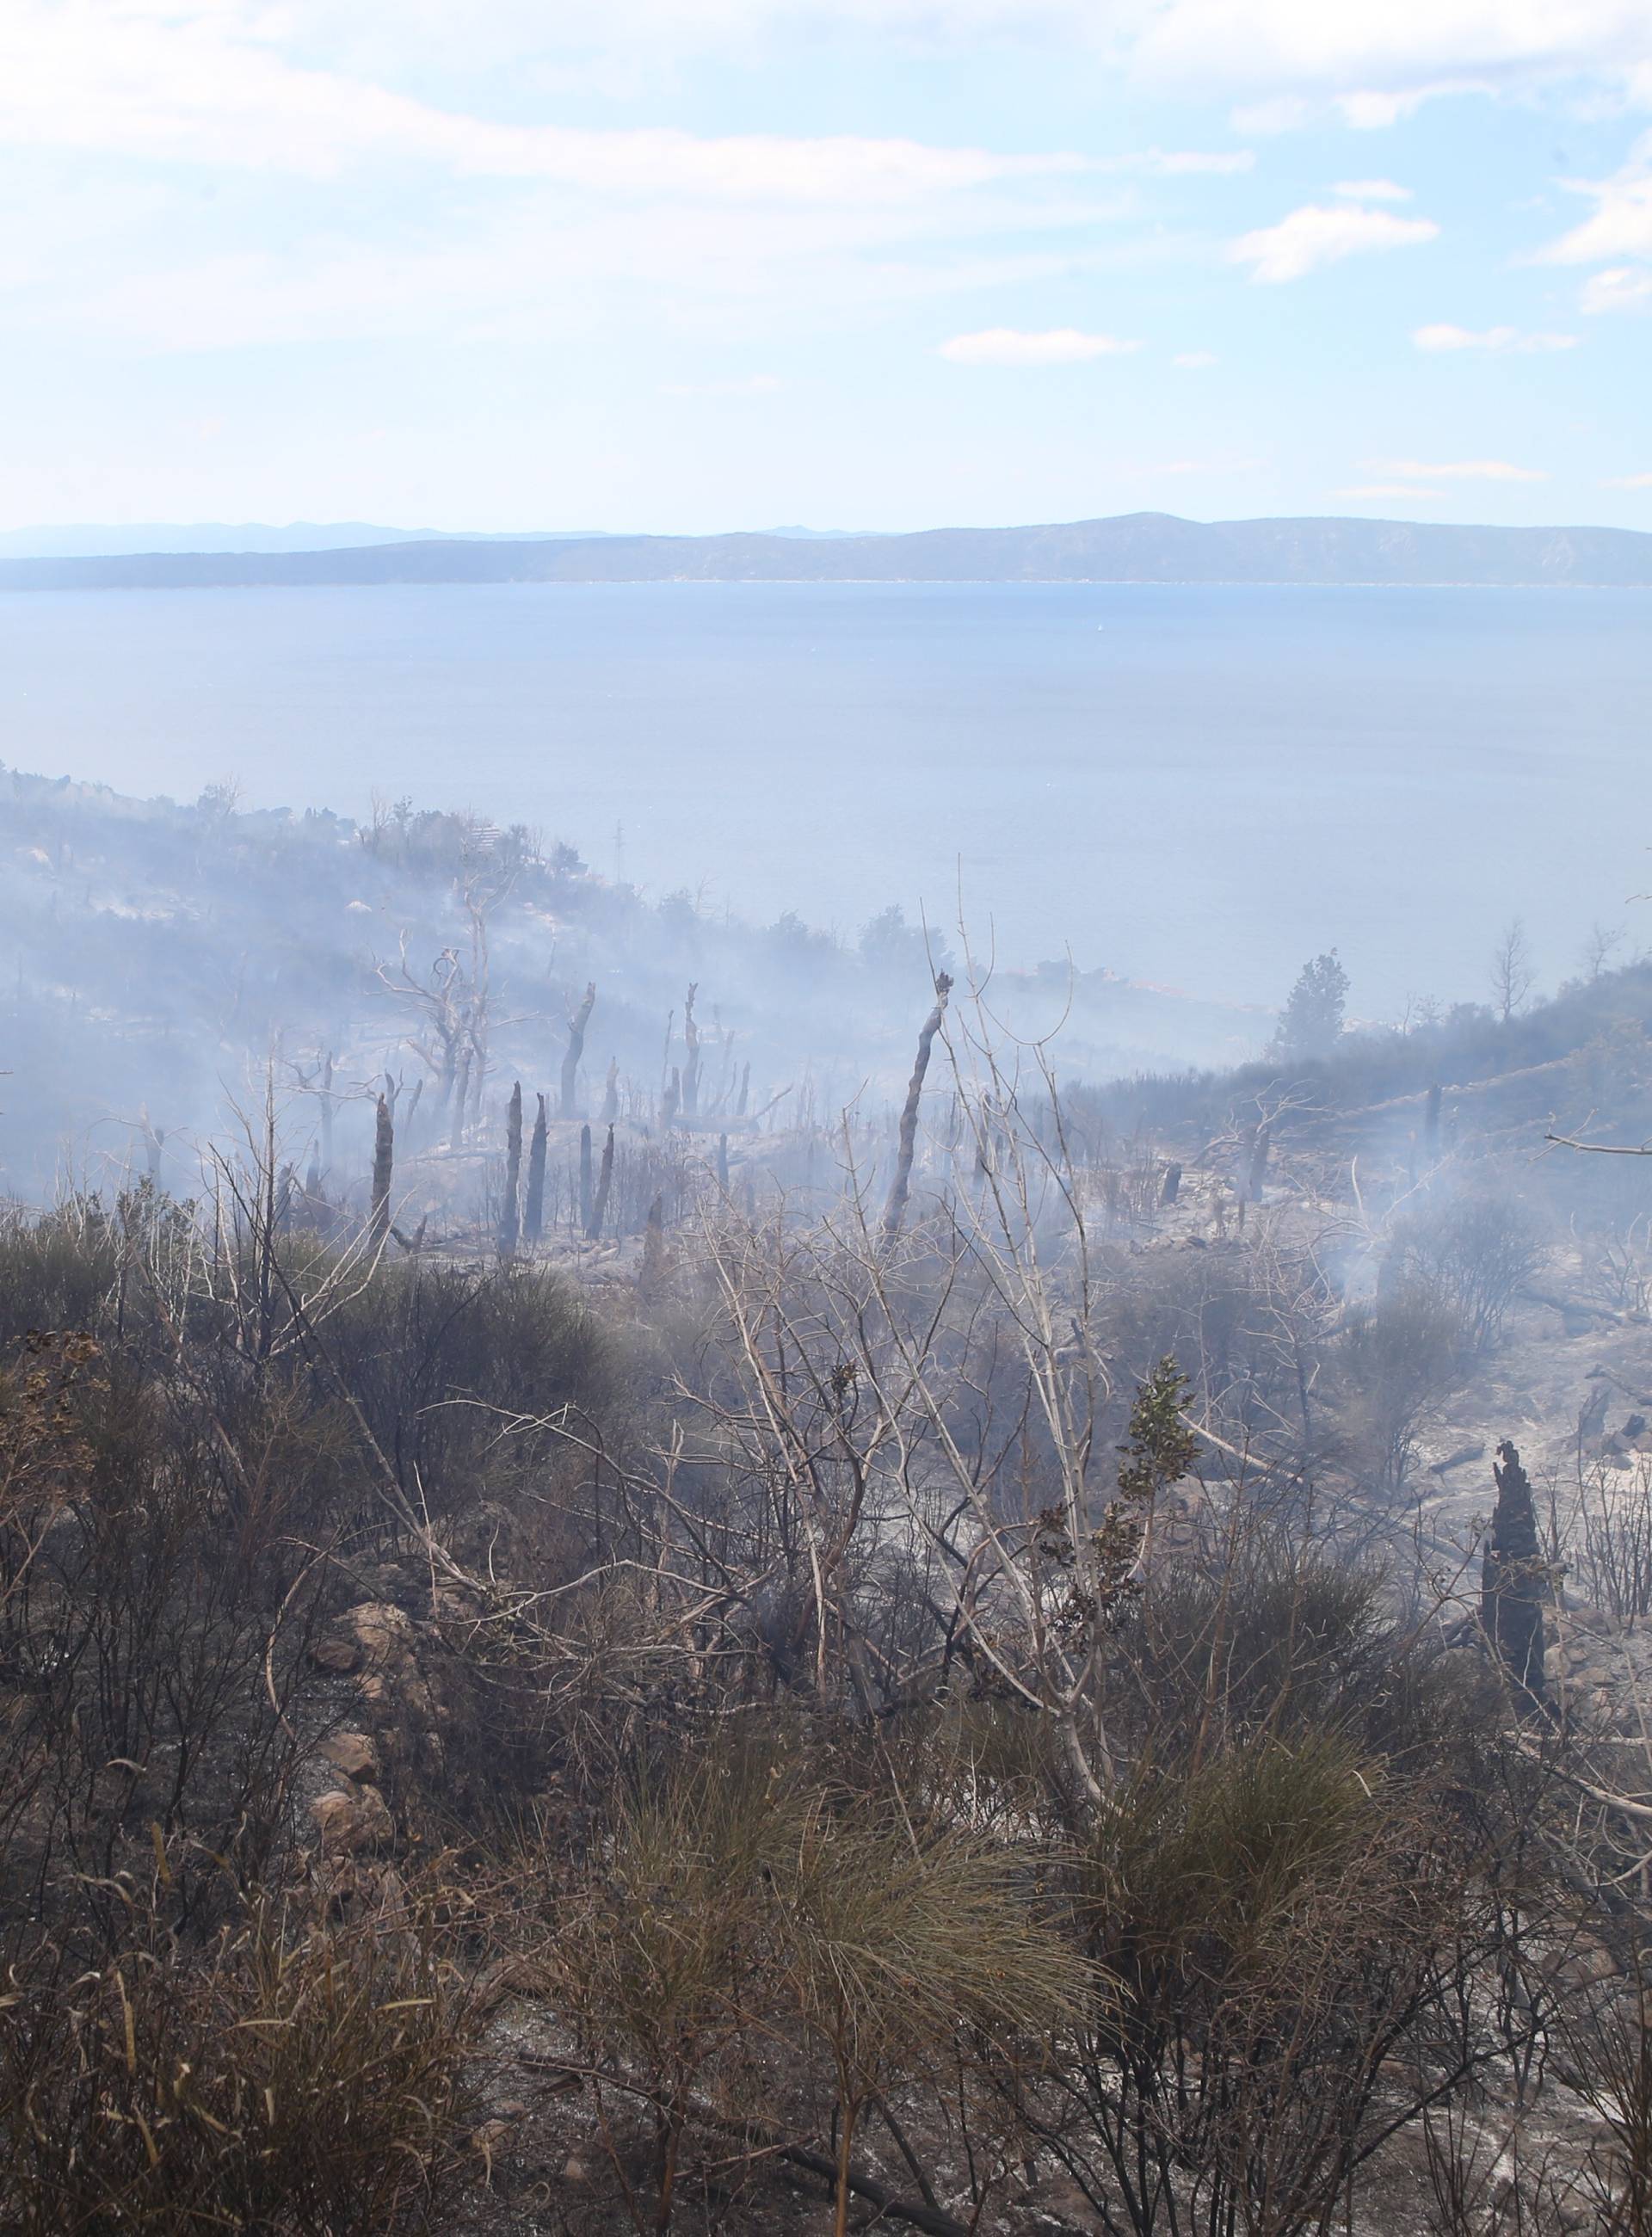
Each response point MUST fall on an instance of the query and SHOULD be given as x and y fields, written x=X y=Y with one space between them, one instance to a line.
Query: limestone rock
x=354 y=1754
x=354 y=1820
x=382 y=1632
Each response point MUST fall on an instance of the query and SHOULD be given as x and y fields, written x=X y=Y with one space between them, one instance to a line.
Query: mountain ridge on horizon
x=139 y=539
x=1141 y=547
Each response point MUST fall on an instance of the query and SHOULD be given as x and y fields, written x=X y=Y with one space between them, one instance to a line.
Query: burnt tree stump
x=1515 y=1579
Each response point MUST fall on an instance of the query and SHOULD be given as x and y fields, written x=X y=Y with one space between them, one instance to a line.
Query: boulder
x=353 y=1820
x=382 y=1632
x=354 y=1754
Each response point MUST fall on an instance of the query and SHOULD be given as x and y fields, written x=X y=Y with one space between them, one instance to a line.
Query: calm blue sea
x=1195 y=786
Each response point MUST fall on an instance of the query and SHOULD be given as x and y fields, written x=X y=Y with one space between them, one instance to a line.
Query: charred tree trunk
x=533 y=1209
x=692 y=1063
x=1256 y=1172
x=605 y=1182
x=153 y=1142
x=510 y=1213
x=610 y=1093
x=1514 y=1580
x=384 y=1162
x=587 y=1193
x=1172 y=1187
x=461 y=1099
x=672 y=1098
x=900 y=1187
x=745 y=1090
x=575 y=1049
x=653 y=1267
x=722 y=1163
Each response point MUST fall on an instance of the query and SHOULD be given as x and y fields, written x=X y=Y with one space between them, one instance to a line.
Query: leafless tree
x=575 y=1051
x=1603 y=944
x=1513 y=975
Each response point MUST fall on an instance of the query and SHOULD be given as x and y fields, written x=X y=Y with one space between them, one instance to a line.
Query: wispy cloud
x=1462 y=470
x=1496 y=339
x=1620 y=289
x=1620 y=225
x=1324 y=234
x=1617 y=235
x=1377 y=59
x=1628 y=482
x=1010 y=346
x=1194 y=360
x=186 y=82
x=755 y=384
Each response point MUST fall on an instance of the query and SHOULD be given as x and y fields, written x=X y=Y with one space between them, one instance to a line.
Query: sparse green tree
x=1312 y=1022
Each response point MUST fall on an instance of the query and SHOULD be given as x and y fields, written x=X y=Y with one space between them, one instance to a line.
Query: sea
x=1198 y=788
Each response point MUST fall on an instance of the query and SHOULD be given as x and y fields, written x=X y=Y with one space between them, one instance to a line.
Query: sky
x=694 y=265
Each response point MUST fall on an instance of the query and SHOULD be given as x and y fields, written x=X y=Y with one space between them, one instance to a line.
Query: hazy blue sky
x=695 y=264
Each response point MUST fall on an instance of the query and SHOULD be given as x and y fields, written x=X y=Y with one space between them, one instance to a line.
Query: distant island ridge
x=1141 y=547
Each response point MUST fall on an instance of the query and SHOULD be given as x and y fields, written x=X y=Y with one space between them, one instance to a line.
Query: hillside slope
x=1134 y=548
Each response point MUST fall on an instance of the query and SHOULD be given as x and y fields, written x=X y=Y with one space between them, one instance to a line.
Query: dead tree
x=317 y=1081
x=443 y=1002
x=1514 y=1581
x=610 y=1093
x=1257 y=1166
x=485 y=881
x=461 y=1098
x=384 y=1160
x=672 y=1098
x=533 y=1208
x=605 y=1182
x=153 y=1141
x=894 y=1209
x=586 y=1191
x=575 y=1049
x=692 y=1063
x=1432 y=1125
x=509 y=1214
x=652 y=1271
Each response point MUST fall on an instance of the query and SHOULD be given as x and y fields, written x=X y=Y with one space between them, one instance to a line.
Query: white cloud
x=1371 y=190
x=1620 y=225
x=1377 y=54
x=1371 y=111
x=219 y=80
x=185 y=80
x=1368 y=491
x=1462 y=469
x=1381 y=56
x=1620 y=289
x=1628 y=482
x=1008 y=346
x=1194 y=360
x=1497 y=339
x=1320 y=235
